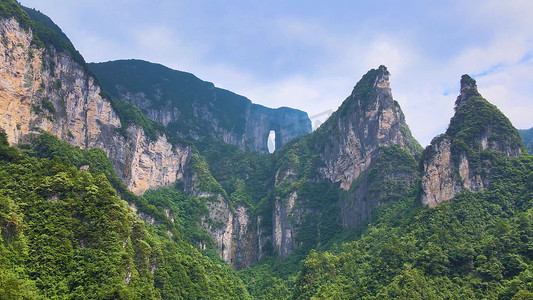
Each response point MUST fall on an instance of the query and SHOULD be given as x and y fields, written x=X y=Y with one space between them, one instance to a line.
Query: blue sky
x=310 y=54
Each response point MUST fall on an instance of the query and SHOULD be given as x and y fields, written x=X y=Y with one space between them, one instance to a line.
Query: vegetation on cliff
x=527 y=138
x=70 y=228
x=66 y=233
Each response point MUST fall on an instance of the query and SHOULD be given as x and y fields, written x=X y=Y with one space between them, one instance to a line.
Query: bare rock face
x=368 y=119
x=439 y=182
x=367 y=134
x=452 y=162
x=193 y=108
x=284 y=230
x=42 y=89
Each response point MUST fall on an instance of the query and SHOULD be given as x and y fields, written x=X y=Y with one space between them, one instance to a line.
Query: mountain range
x=127 y=179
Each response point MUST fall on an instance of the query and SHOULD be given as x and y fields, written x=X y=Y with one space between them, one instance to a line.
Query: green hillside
x=66 y=234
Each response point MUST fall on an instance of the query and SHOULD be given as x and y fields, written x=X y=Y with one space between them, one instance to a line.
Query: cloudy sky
x=310 y=54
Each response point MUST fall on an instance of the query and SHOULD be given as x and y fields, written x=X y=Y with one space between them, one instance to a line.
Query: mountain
x=527 y=138
x=474 y=244
x=192 y=108
x=98 y=200
x=363 y=156
x=66 y=233
x=47 y=87
x=461 y=158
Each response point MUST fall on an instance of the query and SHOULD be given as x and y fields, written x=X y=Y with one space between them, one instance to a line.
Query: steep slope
x=462 y=157
x=475 y=247
x=66 y=234
x=47 y=87
x=369 y=118
x=527 y=138
x=365 y=148
x=192 y=108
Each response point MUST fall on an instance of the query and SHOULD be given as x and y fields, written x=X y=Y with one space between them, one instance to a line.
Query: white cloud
x=312 y=59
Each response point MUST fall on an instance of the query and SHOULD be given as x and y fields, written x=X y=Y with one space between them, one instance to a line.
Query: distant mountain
x=527 y=137
x=193 y=108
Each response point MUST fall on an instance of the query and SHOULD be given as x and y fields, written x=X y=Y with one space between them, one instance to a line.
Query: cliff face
x=368 y=119
x=365 y=148
x=43 y=89
x=192 y=108
x=460 y=159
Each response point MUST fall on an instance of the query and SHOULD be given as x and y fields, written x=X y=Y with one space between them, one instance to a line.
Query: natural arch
x=271 y=141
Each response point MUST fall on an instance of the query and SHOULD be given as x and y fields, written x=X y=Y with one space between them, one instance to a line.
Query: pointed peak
x=382 y=79
x=383 y=70
x=468 y=90
x=375 y=78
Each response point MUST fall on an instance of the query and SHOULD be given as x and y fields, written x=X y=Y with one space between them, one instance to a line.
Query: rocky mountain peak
x=367 y=119
x=382 y=79
x=451 y=163
x=468 y=90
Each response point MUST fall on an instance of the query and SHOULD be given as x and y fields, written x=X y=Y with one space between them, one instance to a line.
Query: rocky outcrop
x=453 y=162
x=42 y=89
x=368 y=119
x=441 y=182
x=365 y=148
x=192 y=108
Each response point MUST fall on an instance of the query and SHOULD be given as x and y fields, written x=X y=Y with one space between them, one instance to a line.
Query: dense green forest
x=527 y=137
x=477 y=246
x=70 y=229
x=67 y=234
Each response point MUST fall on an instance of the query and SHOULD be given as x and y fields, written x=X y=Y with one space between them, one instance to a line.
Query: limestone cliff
x=368 y=119
x=49 y=88
x=43 y=89
x=365 y=148
x=192 y=108
x=460 y=159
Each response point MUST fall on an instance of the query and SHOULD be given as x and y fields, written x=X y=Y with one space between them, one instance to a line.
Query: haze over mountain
x=99 y=200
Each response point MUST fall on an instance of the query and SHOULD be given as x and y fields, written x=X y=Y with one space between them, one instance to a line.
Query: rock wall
x=368 y=119
x=452 y=162
x=192 y=108
x=348 y=145
x=41 y=89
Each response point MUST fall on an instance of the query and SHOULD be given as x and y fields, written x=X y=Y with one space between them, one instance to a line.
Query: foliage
x=130 y=114
x=66 y=234
x=10 y=8
x=476 y=117
x=247 y=173
x=47 y=33
x=527 y=138
x=195 y=100
x=477 y=246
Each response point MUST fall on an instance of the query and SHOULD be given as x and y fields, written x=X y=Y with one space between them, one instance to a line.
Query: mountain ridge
x=192 y=108
x=341 y=212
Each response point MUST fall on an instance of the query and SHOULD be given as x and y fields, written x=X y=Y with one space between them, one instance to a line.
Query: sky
x=310 y=54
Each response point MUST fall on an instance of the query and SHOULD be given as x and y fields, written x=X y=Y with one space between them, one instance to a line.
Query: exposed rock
x=368 y=119
x=367 y=130
x=220 y=226
x=438 y=182
x=49 y=91
x=244 y=252
x=452 y=162
x=192 y=108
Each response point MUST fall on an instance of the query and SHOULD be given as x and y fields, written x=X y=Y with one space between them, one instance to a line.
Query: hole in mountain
x=271 y=141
